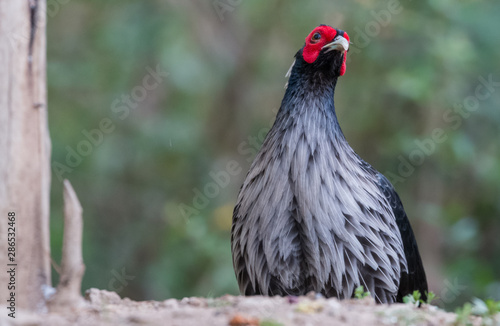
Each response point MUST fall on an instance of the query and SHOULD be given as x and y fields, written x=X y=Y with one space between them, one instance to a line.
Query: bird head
x=326 y=45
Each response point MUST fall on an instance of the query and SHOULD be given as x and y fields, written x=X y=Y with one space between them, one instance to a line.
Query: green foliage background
x=226 y=61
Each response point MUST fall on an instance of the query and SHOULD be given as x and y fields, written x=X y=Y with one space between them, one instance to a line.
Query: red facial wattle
x=343 y=67
x=313 y=48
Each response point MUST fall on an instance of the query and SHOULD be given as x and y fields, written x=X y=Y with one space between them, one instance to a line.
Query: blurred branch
x=72 y=267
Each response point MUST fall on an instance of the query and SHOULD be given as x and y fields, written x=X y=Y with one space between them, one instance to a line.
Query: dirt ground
x=107 y=308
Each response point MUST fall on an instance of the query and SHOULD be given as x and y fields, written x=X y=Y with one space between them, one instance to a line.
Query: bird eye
x=316 y=37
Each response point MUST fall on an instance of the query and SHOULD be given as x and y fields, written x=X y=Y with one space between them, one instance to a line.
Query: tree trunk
x=24 y=153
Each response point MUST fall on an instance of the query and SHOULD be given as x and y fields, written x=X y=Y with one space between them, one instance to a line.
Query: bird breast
x=310 y=211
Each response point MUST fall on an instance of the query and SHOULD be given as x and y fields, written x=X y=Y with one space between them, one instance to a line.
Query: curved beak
x=339 y=43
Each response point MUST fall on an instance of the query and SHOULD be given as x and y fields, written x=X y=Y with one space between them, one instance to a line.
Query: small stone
x=309 y=307
x=197 y=302
x=240 y=320
x=333 y=304
x=102 y=297
x=311 y=295
x=170 y=304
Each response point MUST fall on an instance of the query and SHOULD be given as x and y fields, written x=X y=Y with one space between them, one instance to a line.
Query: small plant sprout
x=489 y=310
x=413 y=298
x=416 y=298
x=430 y=297
x=360 y=293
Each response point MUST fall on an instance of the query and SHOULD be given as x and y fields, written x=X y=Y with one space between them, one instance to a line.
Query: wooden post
x=24 y=153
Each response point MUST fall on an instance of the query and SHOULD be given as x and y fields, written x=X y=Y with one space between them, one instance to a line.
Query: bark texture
x=24 y=149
